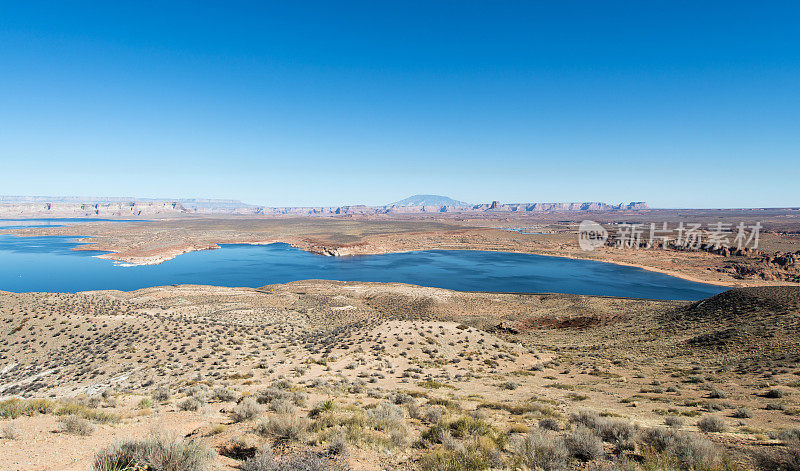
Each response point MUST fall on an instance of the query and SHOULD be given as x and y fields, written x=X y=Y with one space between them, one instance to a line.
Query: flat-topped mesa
x=478 y=208
x=82 y=210
x=533 y=207
x=40 y=206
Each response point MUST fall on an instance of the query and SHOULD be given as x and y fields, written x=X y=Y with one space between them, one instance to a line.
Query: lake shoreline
x=155 y=242
x=42 y=268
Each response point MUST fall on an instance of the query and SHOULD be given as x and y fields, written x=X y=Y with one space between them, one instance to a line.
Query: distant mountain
x=429 y=200
x=82 y=206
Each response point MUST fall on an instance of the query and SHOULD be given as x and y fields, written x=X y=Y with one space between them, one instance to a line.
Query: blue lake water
x=49 y=264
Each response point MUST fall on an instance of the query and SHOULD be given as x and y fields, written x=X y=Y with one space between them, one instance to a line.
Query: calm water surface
x=49 y=264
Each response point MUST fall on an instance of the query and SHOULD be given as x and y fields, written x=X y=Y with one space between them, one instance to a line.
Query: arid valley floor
x=348 y=375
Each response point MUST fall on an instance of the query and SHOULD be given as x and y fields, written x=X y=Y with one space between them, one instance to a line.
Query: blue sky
x=681 y=104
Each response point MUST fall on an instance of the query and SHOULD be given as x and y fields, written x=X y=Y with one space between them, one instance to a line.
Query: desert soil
x=397 y=360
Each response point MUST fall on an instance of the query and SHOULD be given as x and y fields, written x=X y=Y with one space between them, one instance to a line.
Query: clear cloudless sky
x=680 y=104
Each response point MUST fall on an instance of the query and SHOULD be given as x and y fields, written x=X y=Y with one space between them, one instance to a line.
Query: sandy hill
x=744 y=321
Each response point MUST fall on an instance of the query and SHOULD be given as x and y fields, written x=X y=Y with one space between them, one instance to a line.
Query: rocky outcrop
x=778 y=266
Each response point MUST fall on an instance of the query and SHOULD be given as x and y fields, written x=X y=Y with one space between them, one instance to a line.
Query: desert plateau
x=399 y=236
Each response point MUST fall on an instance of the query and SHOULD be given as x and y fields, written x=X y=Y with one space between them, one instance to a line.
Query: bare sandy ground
x=505 y=360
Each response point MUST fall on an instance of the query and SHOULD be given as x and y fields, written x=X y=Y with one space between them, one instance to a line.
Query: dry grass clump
x=11 y=408
x=265 y=460
x=462 y=459
x=790 y=436
x=101 y=417
x=240 y=448
x=159 y=452
x=75 y=425
x=217 y=429
x=16 y=407
x=548 y=423
x=338 y=444
x=40 y=406
x=742 y=413
x=674 y=421
x=787 y=459
x=322 y=407
x=434 y=414
x=282 y=406
x=247 y=409
x=461 y=427
x=474 y=453
x=520 y=408
x=583 y=444
x=711 y=423
x=780 y=460
x=774 y=393
x=508 y=385
x=10 y=431
x=385 y=416
x=687 y=451
x=542 y=449
x=273 y=394
x=284 y=427
x=620 y=433
x=144 y=404
x=380 y=427
x=717 y=394
x=221 y=393
x=161 y=394
x=189 y=404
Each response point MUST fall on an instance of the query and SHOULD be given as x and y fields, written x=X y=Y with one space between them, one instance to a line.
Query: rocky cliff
x=90 y=210
x=478 y=208
x=554 y=207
